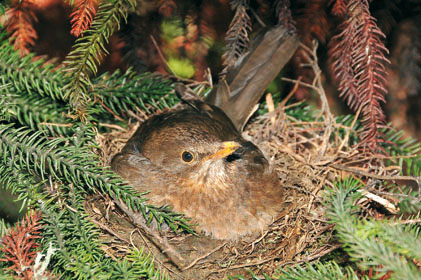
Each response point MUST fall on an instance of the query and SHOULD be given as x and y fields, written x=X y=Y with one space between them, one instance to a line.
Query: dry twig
x=153 y=236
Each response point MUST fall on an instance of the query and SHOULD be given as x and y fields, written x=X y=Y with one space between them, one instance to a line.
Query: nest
x=307 y=156
x=297 y=235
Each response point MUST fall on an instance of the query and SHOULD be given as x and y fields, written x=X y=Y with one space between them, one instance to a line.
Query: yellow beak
x=226 y=149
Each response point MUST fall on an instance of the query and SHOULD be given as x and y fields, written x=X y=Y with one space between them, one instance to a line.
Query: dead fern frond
x=283 y=13
x=339 y=7
x=20 y=244
x=340 y=54
x=81 y=18
x=359 y=66
x=20 y=26
x=237 y=37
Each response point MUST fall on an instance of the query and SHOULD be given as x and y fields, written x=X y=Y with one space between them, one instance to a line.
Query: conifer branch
x=34 y=112
x=73 y=162
x=368 y=248
x=88 y=51
x=28 y=76
x=124 y=92
x=81 y=253
x=318 y=271
x=21 y=183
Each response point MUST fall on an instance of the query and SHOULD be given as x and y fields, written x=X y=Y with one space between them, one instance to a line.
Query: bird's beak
x=226 y=149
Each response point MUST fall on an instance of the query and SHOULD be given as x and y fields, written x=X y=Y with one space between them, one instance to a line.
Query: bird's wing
x=139 y=171
x=239 y=91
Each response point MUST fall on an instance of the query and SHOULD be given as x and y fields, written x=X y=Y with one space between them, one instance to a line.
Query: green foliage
x=27 y=75
x=80 y=254
x=381 y=245
x=20 y=183
x=77 y=239
x=2 y=9
x=371 y=243
x=322 y=271
x=49 y=159
x=72 y=161
x=5 y=276
x=137 y=265
x=88 y=51
x=171 y=29
x=181 y=67
x=31 y=91
x=397 y=145
x=404 y=152
x=123 y=92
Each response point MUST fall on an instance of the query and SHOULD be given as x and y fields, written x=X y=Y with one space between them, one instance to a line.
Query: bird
x=195 y=160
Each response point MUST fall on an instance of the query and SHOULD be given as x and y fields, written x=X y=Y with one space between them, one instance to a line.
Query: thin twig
x=57 y=124
x=150 y=250
x=109 y=230
x=311 y=56
x=291 y=93
x=299 y=82
x=204 y=256
x=153 y=236
x=407 y=222
x=109 y=109
x=348 y=132
x=162 y=56
x=114 y=126
x=375 y=176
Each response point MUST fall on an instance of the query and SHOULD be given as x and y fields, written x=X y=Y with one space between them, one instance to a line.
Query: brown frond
x=340 y=54
x=20 y=244
x=283 y=13
x=82 y=16
x=359 y=66
x=339 y=7
x=20 y=26
x=237 y=37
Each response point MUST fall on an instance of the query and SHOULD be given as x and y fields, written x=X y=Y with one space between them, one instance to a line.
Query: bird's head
x=193 y=157
x=199 y=149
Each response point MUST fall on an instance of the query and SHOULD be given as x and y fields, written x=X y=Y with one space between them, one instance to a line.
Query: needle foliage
x=48 y=159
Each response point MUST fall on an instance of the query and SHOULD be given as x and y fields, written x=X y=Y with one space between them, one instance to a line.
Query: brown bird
x=195 y=160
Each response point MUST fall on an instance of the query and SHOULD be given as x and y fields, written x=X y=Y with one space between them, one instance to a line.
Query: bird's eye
x=187 y=156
